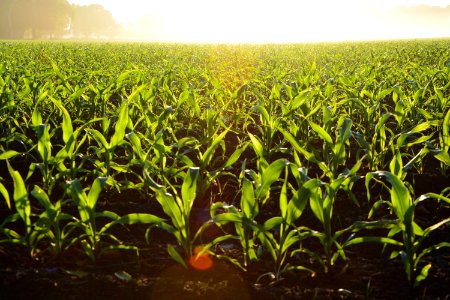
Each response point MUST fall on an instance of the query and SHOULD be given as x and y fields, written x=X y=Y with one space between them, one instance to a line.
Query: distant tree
x=93 y=21
x=14 y=18
x=38 y=18
x=51 y=17
x=5 y=28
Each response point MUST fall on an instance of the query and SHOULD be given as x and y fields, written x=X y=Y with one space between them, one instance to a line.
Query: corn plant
x=411 y=234
x=178 y=209
x=244 y=223
x=322 y=197
x=61 y=165
x=32 y=234
x=375 y=143
x=444 y=141
x=55 y=225
x=322 y=202
x=65 y=158
x=409 y=139
x=212 y=167
x=105 y=150
x=255 y=192
x=279 y=234
x=268 y=129
x=43 y=147
x=93 y=239
x=266 y=174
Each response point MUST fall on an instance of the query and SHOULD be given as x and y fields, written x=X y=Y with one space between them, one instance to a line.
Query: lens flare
x=200 y=261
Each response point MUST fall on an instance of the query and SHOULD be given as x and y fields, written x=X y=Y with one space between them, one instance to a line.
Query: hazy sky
x=273 y=20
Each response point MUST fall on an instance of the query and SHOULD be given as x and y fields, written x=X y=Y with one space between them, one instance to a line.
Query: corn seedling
x=92 y=238
x=411 y=234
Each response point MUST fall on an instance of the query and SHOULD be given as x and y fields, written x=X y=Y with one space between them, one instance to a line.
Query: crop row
x=258 y=135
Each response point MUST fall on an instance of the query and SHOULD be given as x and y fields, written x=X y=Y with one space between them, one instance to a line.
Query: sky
x=274 y=21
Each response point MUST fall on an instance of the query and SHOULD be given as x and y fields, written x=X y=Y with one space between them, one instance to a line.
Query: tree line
x=40 y=19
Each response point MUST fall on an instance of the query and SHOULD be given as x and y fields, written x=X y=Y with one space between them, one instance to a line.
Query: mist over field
x=250 y=21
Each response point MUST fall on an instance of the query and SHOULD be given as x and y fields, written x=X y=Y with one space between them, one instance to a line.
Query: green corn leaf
x=61 y=156
x=170 y=208
x=418 y=157
x=446 y=132
x=225 y=218
x=81 y=200
x=273 y=222
x=189 y=188
x=232 y=261
x=270 y=175
x=238 y=92
x=67 y=121
x=428 y=250
x=417 y=129
x=95 y=191
x=36 y=118
x=298 y=101
x=343 y=137
x=442 y=155
x=372 y=239
x=136 y=92
x=257 y=146
x=433 y=195
x=316 y=203
x=101 y=140
x=399 y=112
x=5 y=195
x=123 y=76
x=283 y=198
x=107 y=214
x=77 y=94
x=43 y=199
x=300 y=199
x=208 y=154
x=176 y=256
x=249 y=205
x=234 y=157
x=44 y=145
x=151 y=183
x=321 y=132
x=383 y=93
x=268 y=242
x=264 y=114
x=120 y=127
x=400 y=196
x=66 y=125
x=291 y=238
x=9 y=154
x=87 y=248
x=136 y=144
x=290 y=138
x=165 y=114
x=396 y=165
x=422 y=275
x=20 y=197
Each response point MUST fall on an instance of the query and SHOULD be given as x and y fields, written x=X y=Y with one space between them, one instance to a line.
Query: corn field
x=298 y=158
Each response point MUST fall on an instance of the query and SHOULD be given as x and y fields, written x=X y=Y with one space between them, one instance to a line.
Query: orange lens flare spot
x=200 y=262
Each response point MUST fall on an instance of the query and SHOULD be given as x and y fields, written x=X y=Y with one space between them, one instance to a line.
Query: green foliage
x=411 y=234
x=178 y=209
x=303 y=122
x=92 y=236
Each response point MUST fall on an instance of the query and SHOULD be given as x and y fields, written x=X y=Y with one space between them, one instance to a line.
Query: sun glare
x=269 y=21
x=200 y=261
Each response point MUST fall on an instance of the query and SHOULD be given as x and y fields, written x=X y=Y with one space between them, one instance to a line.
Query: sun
x=267 y=21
